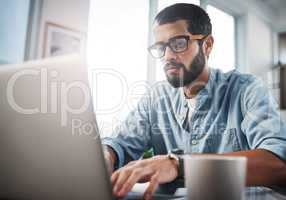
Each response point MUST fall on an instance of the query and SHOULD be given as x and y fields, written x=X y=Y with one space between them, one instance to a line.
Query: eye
x=158 y=46
x=161 y=47
x=178 y=44
x=157 y=50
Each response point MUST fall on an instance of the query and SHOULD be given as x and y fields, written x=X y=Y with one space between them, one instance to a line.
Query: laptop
x=50 y=146
x=49 y=141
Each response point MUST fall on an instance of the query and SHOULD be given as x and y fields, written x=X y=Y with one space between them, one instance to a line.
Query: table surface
x=251 y=193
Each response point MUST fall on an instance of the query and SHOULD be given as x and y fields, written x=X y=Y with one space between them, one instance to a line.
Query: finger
x=114 y=177
x=136 y=175
x=154 y=182
x=131 y=163
x=121 y=179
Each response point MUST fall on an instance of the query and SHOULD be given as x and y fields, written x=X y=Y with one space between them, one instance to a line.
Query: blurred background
x=113 y=35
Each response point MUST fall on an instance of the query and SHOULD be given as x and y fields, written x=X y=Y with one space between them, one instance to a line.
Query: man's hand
x=156 y=170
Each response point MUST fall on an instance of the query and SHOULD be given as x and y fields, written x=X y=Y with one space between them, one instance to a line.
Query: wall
x=68 y=13
x=13 y=23
x=281 y=22
x=255 y=24
x=2 y=62
x=259 y=46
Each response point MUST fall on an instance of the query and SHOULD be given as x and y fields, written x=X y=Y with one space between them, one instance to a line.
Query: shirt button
x=194 y=142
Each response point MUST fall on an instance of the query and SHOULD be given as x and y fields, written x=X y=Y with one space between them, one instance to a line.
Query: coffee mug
x=215 y=177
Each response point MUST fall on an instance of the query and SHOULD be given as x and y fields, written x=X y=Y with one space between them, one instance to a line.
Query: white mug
x=214 y=177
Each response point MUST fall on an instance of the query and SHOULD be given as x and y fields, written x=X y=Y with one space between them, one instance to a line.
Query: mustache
x=173 y=64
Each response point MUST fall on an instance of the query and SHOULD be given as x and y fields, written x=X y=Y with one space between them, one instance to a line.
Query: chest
x=213 y=128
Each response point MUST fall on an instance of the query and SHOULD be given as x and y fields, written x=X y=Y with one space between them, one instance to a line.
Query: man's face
x=182 y=68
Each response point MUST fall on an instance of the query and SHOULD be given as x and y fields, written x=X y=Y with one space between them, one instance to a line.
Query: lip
x=170 y=66
x=172 y=70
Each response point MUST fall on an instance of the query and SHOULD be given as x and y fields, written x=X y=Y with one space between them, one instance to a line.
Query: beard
x=188 y=75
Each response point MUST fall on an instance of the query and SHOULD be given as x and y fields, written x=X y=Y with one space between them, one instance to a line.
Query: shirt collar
x=208 y=87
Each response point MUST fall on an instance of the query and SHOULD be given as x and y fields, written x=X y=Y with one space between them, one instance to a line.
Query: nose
x=169 y=54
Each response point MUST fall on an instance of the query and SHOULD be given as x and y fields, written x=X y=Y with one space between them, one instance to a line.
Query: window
x=117 y=55
x=223 y=53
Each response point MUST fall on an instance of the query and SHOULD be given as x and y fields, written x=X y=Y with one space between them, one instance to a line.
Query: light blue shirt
x=233 y=112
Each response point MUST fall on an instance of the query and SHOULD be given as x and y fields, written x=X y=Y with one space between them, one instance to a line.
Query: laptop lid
x=49 y=141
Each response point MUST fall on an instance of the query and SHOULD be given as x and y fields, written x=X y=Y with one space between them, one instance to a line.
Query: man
x=199 y=110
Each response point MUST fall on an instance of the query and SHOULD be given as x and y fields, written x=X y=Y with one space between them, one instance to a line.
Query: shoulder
x=235 y=79
x=252 y=90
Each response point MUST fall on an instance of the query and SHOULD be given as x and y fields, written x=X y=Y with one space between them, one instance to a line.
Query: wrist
x=175 y=161
x=177 y=157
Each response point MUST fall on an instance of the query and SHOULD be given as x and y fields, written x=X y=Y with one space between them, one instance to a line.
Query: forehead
x=164 y=32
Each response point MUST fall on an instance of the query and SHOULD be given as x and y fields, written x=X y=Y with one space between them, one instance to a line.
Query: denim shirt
x=233 y=112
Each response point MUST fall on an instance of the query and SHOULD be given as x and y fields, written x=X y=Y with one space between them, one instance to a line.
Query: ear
x=208 y=45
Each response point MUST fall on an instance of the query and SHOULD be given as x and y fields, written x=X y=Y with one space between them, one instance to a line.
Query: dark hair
x=197 y=19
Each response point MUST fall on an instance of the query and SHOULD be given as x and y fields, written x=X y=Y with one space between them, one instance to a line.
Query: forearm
x=263 y=168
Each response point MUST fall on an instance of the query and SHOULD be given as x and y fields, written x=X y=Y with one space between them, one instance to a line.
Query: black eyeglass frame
x=167 y=44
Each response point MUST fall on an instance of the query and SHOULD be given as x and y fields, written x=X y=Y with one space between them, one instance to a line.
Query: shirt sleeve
x=132 y=137
x=262 y=123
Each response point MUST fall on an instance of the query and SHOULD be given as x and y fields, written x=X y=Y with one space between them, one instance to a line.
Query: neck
x=193 y=89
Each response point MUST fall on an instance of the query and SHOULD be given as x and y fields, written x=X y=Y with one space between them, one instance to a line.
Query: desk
x=251 y=193
x=262 y=193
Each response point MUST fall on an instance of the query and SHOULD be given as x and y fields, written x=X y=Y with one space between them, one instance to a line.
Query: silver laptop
x=49 y=142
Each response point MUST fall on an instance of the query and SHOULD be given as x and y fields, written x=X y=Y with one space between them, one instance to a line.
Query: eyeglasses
x=177 y=44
